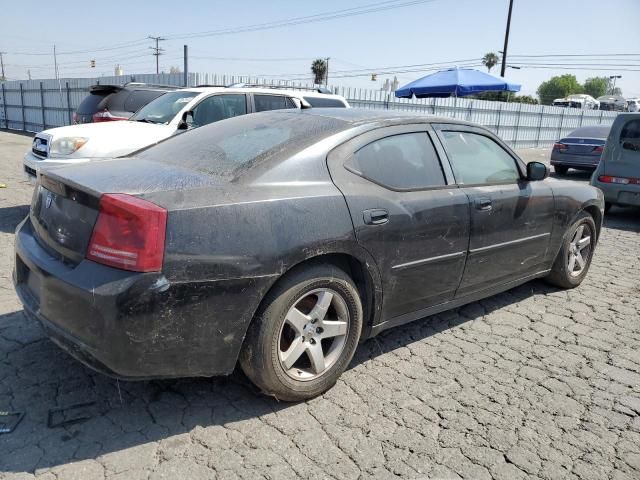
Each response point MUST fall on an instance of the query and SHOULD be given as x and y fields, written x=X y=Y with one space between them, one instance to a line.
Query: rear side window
x=271 y=102
x=630 y=136
x=91 y=103
x=478 y=160
x=139 y=98
x=319 y=102
x=399 y=162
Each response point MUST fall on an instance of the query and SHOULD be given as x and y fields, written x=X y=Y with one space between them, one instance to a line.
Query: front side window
x=271 y=102
x=478 y=160
x=164 y=108
x=399 y=162
x=219 y=107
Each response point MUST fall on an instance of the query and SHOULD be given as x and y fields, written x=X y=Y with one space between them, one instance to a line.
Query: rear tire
x=304 y=335
x=574 y=258
x=560 y=169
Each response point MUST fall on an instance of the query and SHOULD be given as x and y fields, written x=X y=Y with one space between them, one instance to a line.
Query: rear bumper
x=619 y=194
x=582 y=162
x=133 y=325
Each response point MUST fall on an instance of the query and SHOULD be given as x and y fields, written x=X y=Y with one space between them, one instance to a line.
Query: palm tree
x=319 y=70
x=490 y=60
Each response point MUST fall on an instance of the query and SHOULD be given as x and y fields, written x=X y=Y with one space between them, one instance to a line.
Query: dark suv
x=113 y=102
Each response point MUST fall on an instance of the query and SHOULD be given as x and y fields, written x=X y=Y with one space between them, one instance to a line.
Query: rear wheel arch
x=359 y=267
x=596 y=214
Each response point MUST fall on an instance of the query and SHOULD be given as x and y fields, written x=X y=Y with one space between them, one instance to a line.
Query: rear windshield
x=90 y=104
x=231 y=146
x=596 y=131
x=319 y=102
x=139 y=98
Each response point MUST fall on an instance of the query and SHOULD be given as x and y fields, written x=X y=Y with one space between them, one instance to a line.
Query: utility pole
x=506 y=40
x=186 y=66
x=326 y=75
x=2 y=78
x=157 y=51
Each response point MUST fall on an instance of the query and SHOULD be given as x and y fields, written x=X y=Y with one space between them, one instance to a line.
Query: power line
x=320 y=17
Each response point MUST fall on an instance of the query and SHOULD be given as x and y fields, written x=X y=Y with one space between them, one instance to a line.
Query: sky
x=423 y=32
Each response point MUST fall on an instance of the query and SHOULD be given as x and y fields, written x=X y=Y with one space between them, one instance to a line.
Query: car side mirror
x=537 y=171
x=187 y=120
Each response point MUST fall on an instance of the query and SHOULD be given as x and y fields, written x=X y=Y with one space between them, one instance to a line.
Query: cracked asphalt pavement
x=532 y=383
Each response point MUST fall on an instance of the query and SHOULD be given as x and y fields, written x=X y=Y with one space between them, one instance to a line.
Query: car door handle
x=483 y=203
x=375 y=216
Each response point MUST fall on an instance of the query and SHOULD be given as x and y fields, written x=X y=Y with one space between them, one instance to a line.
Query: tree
x=319 y=70
x=558 y=87
x=490 y=60
x=506 y=97
x=596 y=86
x=175 y=70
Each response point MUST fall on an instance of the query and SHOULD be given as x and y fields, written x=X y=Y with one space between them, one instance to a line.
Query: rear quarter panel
x=570 y=199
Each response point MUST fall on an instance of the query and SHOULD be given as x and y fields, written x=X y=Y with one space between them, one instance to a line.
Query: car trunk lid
x=66 y=202
x=582 y=146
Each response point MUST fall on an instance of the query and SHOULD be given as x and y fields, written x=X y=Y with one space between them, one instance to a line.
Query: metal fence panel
x=35 y=105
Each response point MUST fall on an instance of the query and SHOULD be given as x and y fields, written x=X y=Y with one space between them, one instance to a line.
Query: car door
x=218 y=107
x=406 y=213
x=511 y=217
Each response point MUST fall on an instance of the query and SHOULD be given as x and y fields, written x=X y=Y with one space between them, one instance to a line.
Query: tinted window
x=271 y=102
x=630 y=136
x=406 y=161
x=91 y=102
x=477 y=159
x=164 y=108
x=234 y=146
x=218 y=107
x=319 y=102
x=139 y=98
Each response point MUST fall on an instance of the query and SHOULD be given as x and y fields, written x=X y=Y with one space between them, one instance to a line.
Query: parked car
x=106 y=103
x=612 y=102
x=167 y=115
x=581 y=149
x=577 y=101
x=633 y=104
x=283 y=238
x=618 y=173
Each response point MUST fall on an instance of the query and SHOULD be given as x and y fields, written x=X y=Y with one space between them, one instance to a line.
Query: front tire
x=304 y=335
x=560 y=169
x=574 y=258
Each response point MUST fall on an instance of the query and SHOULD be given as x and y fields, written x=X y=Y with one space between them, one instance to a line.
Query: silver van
x=618 y=173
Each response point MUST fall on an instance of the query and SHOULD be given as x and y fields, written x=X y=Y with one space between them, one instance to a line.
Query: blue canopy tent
x=457 y=82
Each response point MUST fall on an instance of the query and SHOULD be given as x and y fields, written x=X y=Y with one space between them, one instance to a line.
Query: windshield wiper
x=146 y=120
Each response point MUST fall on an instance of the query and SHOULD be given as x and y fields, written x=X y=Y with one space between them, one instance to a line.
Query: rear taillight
x=598 y=149
x=619 y=180
x=128 y=234
x=106 y=116
x=559 y=146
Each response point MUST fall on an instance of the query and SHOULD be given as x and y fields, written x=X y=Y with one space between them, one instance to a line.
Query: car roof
x=591 y=131
x=362 y=116
x=264 y=90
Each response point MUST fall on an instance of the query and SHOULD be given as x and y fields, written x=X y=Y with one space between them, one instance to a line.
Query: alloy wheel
x=579 y=250
x=313 y=334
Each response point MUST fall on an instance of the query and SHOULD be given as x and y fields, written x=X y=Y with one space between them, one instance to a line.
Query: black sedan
x=282 y=239
x=581 y=149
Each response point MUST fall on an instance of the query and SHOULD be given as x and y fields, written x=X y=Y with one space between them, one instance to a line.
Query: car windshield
x=164 y=108
x=230 y=147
